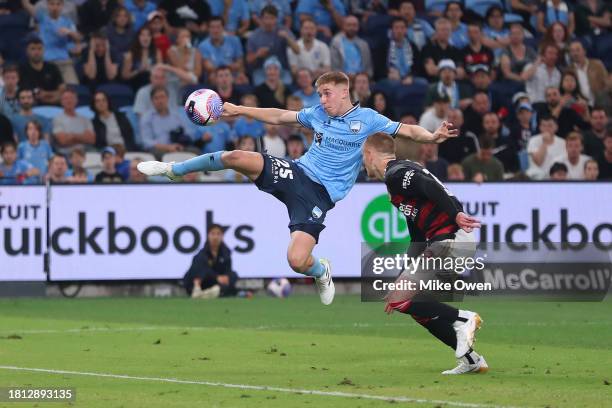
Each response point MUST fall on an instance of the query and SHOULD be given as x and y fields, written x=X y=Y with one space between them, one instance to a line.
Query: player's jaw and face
x=334 y=98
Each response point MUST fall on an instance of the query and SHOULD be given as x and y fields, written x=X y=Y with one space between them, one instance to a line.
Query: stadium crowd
x=91 y=87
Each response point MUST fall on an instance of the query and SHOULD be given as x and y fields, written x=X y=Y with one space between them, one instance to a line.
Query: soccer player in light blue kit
x=311 y=185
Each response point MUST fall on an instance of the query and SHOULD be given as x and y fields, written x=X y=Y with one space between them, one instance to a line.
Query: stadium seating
x=410 y=99
x=119 y=94
x=480 y=7
x=83 y=94
x=128 y=111
x=48 y=112
x=177 y=156
x=93 y=162
x=85 y=111
x=144 y=156
x=435 y=5
x=603 y=49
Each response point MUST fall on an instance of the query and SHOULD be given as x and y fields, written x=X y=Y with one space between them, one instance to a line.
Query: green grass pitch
x=540 y=354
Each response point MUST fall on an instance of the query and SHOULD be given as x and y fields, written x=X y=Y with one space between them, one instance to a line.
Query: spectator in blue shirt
x=327 y=14
x=25 y=115
x=306 y=92
x=402 y=56
x=164 y=129
x=419 y=31
x=222 y=49
x=552 y=11
x=349 y=53
x=59 y=36
x=282 y=6
x=454 y=13
x=35 y=150
x=139 y=9
x=13 y=171
x=215 y=137
x=237 y=16
x=77 y=166
x=496 y=35
x=244 y=126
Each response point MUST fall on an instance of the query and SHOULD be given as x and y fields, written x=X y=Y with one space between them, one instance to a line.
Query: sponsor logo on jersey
x=355 y=126
x=407 y=178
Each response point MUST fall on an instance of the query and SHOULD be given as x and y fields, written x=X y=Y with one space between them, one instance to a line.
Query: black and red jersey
x=430 y=209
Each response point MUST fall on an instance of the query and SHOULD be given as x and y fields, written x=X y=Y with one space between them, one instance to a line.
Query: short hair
x=557 y=166
x=99 y=34
x=21 y=90
x=451 y=2
x=6 y=145
x=308 y=18
x=381 y=142
x=600 y=109
x=486 y=142
x=78 y=150
x=295 y=138
x=547 y=46
x=57 y=156
x=332 y=77
x=214 y=226
x=217 y=18
x=547 y=116
x=249 y=95
x=398 y=20
x=10 y=68
x=269 y=9
x=573 y=136
x=156 y=89
x=223 y=68
x=71 y=90
x=440 y=21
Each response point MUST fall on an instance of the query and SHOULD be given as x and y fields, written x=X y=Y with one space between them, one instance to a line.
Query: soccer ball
x=203 y=107
x=280 y=288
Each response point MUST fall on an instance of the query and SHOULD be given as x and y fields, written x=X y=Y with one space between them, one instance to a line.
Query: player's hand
x=445 y=131
x=223 y=280
x=466 y=223
x=230 y=110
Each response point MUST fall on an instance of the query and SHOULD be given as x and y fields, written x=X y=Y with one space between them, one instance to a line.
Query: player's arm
x=272 y=116
x=422 y=135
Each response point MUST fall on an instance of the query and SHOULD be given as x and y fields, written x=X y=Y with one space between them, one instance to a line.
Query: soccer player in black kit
x=438 y=227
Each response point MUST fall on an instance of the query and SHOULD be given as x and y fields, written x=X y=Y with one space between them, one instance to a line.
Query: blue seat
x=86 y=112
x=480 y=7
x=410 y=99
x=47 y=111
x=377 y=25
x=83 y=94
x=119 y=94
x=436 y=5
x=603 y=49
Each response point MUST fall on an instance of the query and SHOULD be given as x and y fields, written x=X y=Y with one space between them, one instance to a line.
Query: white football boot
x=211 y=293
x=464 y=367
x=325 y=284
x=466 y=332
x=157 y=168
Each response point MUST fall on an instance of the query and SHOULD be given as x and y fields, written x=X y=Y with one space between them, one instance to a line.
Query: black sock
x=443 y=331
x=433 y=309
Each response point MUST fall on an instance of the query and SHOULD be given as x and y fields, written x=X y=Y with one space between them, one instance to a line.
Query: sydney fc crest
x=355 y=126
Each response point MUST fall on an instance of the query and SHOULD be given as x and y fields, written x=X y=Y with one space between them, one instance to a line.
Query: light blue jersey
x=334 y=158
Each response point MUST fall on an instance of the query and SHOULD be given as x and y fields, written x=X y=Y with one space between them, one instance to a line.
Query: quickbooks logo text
x=381 y=222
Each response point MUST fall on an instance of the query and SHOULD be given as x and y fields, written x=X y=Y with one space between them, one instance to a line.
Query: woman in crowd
x=110 y=126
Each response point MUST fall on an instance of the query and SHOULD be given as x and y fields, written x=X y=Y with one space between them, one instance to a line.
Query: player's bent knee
x=233 y=158
x=297 y=262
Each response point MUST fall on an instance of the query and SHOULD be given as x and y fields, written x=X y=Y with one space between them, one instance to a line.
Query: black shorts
x=307 y=202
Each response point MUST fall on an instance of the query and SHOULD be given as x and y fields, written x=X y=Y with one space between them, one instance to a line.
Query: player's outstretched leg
x=248 y=163
x=301 y=260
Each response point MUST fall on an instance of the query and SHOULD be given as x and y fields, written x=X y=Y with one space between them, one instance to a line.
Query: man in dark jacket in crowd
x=210 y=274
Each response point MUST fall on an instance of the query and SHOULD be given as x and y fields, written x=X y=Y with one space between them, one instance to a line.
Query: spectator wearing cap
x=419 y=30
x=558 y=172
x=164 y=128
x=552 y=11
x=350 y=53
x=272 y=92
x=13 y=170
x=109 y=172
x=313 y=54
x=480 y=79
x=9 y=103
x=34 y=149
x=191 y=14
x=140 y=59
x=41 y=76
x=269 y=41
x=439 y=48
x=403 y=59
x=592 y=74
x=567 y=119
x=327 y=14
x=455 y=149
x=496 y=35
x=95 y=14
x=433 y=117
x=282 y=7
x=142 y=101
x=544 y=148
x=604 y=160
x=70 y=128
x=111 y=127
x=594 y=137
x=59 y=35
x=475 y=52
x=295 y=147
x=306 y=91
x=522 y=128
x=140 y=10
x=26 y=114
x=574 y=160
x=457 y=92
x=221 y=49
x=482 y=165
x=543 y=73
x=225 y=85
x=58 y=169
x=591 y=170
x=516 y=55
x=77 y=166
x=120 y=32
x=459 y=33
x=100 y=67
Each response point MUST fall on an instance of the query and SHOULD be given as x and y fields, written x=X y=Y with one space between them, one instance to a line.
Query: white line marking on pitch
x=260 y=388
